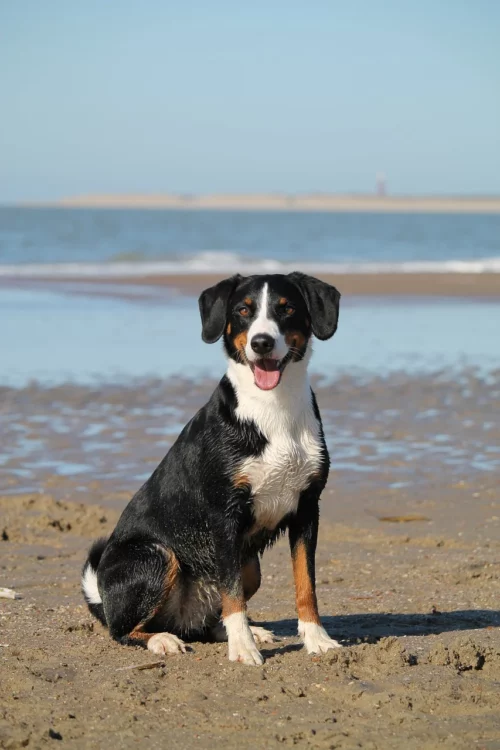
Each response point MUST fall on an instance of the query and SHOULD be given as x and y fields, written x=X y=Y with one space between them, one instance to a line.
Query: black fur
x=322 y=302
x=213 y=307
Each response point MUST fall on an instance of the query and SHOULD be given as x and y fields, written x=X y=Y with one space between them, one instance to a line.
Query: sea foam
x=227 y=263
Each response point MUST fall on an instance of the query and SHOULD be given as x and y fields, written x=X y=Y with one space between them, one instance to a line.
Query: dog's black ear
x=213 y=308
x=322 y=302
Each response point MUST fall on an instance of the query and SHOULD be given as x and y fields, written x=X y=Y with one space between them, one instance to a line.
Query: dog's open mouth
x=267 y=372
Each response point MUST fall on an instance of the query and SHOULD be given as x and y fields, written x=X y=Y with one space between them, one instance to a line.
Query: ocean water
x=79 y=242
x=62 y=332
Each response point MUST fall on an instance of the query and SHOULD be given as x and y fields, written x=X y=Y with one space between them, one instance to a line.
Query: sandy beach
x=408 y=577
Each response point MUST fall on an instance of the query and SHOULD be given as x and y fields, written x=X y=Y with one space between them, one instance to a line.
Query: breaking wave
x=227 y=263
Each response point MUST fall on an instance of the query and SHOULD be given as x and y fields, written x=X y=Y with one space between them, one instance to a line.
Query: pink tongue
x=266 y=374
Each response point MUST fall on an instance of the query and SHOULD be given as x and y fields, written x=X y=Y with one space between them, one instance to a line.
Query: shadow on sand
x=369 y=628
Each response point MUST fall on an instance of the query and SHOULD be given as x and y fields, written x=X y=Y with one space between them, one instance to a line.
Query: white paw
x=245 y=653
x=262 y=635
x=316 y=639
x=241 y=643
x=166 y=643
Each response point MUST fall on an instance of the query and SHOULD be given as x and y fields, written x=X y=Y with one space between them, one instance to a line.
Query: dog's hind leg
x=136 y=582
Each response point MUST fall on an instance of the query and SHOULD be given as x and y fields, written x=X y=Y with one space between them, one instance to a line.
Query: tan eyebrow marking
x=248 y=300
x=283 y=301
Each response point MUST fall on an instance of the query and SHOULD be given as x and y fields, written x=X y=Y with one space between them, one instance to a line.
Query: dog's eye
x=289 y=309
x=244 y=311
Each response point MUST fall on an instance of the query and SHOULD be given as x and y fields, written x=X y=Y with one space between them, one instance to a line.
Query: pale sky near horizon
x=191 y=96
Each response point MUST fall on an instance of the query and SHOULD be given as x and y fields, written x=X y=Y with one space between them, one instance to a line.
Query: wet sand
x=393 y=285
x=464 y=285
x=408 y=574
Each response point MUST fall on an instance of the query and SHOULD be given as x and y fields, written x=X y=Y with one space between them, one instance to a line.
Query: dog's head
x=267 y=321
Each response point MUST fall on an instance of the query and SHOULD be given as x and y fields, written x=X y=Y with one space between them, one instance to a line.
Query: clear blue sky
x=197 y=96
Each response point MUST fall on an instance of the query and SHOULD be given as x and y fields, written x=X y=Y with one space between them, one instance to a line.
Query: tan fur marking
x=296 y=339
x=305 y=596
x=228 y=329
x=231 y=605
x=139 y=635
x=250 y=577
x=240 y=480
x=172 y=573
x=283 y=300
x=240 y=341
x=248 y=300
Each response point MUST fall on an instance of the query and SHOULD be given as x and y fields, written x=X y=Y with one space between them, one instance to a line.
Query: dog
x=183 y=560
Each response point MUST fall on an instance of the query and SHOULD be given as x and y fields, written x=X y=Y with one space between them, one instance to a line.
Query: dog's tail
x=89 y=580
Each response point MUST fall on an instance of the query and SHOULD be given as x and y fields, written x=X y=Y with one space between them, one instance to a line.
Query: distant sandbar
x=283 y=202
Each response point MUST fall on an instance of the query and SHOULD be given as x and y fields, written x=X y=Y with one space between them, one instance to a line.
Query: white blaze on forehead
x=264 y=322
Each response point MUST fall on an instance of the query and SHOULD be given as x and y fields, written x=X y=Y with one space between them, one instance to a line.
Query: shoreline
x=395 y=285
x=282 y=202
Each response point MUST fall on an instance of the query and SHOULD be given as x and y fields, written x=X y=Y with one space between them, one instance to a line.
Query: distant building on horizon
x=381 y=185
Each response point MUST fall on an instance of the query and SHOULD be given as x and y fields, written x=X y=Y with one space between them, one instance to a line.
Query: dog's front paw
x=166 y=643
x=241 y=643
x=316 y=639
x=246 y=653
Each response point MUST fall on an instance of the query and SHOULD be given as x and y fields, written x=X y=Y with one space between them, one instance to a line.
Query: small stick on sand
x=151 y=665
x=404 y=519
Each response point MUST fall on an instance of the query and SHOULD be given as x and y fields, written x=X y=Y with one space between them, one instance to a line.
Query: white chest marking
x=279 y=475
x=294 y=451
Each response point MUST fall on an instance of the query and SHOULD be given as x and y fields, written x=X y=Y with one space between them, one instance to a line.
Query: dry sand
x=408 y=580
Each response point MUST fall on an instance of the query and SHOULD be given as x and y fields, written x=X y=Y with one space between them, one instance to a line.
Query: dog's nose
x=262 y=343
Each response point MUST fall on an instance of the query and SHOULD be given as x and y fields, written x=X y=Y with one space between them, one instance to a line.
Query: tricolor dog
x=183 y=559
